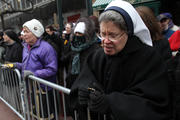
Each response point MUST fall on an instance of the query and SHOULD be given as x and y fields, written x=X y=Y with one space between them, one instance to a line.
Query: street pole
x=2 y=22
x=89 y=7
x=59 y=11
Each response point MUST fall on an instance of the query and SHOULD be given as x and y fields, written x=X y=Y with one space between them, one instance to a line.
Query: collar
x=10 y=44
x=38 y=42
x=132 y=45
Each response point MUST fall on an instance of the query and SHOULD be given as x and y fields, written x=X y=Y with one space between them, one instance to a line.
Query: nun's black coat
x=135 y=81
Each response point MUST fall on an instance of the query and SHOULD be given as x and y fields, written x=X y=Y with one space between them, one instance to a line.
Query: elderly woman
x=126 y=80
x=39 y=59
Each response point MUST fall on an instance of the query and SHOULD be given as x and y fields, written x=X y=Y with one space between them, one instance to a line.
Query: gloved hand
x=27 y=73
x=97 y=99
x=10 y=65
x=83 y=95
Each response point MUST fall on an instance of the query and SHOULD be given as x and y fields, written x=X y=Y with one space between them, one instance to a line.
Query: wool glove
x=83 y=95
x=10 y=65
x=97 y=99
x=27 y=73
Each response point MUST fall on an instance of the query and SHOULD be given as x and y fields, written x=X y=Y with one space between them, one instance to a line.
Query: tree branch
x=13 y=10
x=9 y=5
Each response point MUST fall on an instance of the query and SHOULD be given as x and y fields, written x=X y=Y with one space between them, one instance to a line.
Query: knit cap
x=35 y=27
x=80 y=27
x=1 y=33
x=11 y=34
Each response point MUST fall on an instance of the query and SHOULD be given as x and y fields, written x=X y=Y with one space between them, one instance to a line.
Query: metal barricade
x=11 y=90
x=42 y=101
x=34 y=98
x=41 y=96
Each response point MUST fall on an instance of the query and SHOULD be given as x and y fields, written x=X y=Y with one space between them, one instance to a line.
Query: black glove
x=83 y=95
x=97 y=100
x=27 y=73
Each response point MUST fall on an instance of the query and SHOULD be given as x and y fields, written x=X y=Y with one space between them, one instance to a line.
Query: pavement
x=6 y=113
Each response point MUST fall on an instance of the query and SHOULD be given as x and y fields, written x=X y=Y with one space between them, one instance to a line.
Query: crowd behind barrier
x=29 y=100
x=51 y=64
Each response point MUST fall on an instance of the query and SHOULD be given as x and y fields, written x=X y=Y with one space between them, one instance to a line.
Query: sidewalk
x=6 y=113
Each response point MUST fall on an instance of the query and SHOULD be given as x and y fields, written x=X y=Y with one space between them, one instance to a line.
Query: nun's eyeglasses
x=112 y=37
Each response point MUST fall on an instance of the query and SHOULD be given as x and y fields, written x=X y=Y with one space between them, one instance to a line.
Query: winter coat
x=83 y=55
x=174 y=41
x=163 y=47
x=13 y=52
x=56 y=42
x=66 y=52
x=41 y=59
x=2 y=51
x=135 y=82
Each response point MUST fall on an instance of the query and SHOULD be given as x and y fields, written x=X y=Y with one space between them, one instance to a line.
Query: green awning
x=100 y=4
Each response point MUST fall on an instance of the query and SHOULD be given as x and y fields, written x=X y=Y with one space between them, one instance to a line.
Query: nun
x=127 y=78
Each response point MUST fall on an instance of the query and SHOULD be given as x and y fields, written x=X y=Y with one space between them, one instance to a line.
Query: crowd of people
x=115 y=65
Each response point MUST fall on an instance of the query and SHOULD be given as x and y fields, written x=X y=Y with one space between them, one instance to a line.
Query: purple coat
x=41 y=59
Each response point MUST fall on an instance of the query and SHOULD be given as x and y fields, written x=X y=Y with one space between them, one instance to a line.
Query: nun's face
x=113 y=38
x=29 y=37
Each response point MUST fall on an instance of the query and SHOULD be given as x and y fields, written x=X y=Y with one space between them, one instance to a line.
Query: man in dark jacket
x=54 y=39
x=13 y=52
x=127 y=79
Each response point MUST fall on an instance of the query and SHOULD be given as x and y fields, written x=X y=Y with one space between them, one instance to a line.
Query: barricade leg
x=43 y=104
